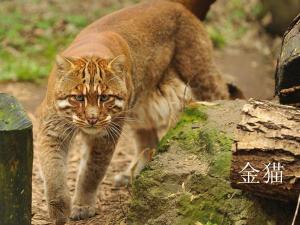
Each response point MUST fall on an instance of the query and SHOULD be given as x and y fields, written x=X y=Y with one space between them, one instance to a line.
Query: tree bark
x=268 y=133
x=288 y=66
x=16 y=155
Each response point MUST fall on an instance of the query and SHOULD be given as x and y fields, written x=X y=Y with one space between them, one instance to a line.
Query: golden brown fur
x=141 y=63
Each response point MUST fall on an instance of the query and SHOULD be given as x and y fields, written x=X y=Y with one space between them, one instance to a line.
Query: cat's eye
x=79 y=98
x=104 y=98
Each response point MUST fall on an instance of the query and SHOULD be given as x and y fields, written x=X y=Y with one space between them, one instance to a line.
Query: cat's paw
x=61 y=221
x=59 y=210
x=81 y=212
x=122 y=179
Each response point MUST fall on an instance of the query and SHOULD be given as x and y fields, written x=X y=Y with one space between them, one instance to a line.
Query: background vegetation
x=32 y=32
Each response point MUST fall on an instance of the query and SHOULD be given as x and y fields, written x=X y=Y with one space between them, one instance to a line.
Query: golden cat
x=140 y=63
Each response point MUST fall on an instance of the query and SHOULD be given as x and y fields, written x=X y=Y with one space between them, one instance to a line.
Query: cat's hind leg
x=155 y=112
x=193 y=60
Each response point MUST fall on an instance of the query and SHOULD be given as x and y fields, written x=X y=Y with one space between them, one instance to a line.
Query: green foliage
x=258 y=10
x=33 y=32
x=232 y=21
x=210 y=223
x=216 y=36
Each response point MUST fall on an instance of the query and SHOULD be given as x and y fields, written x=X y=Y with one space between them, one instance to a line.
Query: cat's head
x=91 y=91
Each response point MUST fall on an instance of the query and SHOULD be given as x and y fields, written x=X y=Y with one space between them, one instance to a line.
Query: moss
x=149 y=195
x=194 y=113
x=12 y=115
x=211 y=194
x=218 y=203
x=221 y=165
x=198 y=210
x=190 y=115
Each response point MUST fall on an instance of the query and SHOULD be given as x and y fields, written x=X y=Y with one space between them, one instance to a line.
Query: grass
x=33 y=32
x=231 y=20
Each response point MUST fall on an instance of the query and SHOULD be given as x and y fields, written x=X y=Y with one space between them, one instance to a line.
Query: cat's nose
x=92 y=121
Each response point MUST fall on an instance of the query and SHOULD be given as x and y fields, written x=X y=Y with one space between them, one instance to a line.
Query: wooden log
x=16 y=155
x=267 y=142
x=288 y=66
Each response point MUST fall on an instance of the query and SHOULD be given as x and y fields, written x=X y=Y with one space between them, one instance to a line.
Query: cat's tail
x=197 y=7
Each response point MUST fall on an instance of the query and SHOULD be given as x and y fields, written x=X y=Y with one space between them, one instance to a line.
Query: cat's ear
x=63 y=63
x=117 y=64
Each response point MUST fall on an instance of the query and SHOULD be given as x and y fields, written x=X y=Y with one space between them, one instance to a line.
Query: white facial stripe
x=87 y=88
x=98 y=102
x=85 y=102
x=119 y=103
x=108 y=118
x=87 y=74
x=63 y=104
x=74 y=117
x=97 y=78
x=84 y=91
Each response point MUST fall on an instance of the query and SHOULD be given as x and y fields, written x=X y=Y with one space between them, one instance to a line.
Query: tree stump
x=266 y=153
x=288 y=66
x=16 y=155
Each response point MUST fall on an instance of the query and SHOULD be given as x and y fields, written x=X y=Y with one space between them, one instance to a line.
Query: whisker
x=110 y=133
x=122 y=132
x=66 y=137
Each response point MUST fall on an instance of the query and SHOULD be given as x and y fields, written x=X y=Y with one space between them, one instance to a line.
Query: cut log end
x=12 y=115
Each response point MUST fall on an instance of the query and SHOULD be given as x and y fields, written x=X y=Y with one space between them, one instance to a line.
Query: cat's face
x=91 y=91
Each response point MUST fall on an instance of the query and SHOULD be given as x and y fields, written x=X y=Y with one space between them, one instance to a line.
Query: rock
x=187 y=182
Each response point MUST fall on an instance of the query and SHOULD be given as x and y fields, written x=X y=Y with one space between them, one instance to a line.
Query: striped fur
x=92 y=88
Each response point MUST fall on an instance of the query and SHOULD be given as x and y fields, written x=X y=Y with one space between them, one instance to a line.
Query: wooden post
x=16 y=155
x=268 y=133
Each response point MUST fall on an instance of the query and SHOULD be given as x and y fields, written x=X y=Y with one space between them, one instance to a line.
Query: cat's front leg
x=97 y=154
x=52 y=152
